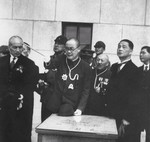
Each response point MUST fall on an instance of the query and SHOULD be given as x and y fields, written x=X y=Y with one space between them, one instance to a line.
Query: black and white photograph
x=74 y=70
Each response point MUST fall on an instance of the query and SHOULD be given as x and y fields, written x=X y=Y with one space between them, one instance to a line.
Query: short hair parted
x=131 y=45
x=147 y=48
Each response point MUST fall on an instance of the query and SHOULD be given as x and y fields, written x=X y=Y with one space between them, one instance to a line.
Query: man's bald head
x=15 y=46
x=15 y=40
x=102 y=61
x=103 y=56
x=73 y=41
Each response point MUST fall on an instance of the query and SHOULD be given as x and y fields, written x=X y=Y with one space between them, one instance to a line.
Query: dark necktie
x=119 y=66
x=12 y=63
x=146 y=68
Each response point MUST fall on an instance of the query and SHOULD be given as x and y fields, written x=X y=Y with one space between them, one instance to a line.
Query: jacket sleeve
x=31 y=78
x=54 y=62
x=86 y=88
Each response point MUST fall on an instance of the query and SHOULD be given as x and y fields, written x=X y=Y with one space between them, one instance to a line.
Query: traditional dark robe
x=72 y=81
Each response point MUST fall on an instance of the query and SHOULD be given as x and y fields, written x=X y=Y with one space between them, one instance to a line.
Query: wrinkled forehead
x=103 y=57
x=16 y=41
x=125 y=43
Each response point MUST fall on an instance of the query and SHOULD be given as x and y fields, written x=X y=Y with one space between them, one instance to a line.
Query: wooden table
x=84 y=128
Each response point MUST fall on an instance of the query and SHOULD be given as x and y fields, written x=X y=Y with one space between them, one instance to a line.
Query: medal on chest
x=98 y=79
x=69 y=77
x=64 y=77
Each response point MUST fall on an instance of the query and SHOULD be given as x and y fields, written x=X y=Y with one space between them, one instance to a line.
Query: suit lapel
x=126 y=66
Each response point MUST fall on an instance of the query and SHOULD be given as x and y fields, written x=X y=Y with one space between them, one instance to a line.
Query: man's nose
x=100 y=61
x=18 y=49
x=56 y=44
x=69 y=51
x=141 y=55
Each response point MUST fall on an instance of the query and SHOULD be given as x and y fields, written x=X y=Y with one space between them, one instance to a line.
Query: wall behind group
x=38 y=22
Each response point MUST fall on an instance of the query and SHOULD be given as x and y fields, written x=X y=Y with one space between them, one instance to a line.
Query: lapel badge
x=20 y=69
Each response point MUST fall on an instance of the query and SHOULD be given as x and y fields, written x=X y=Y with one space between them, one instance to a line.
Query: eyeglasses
x=70 y=49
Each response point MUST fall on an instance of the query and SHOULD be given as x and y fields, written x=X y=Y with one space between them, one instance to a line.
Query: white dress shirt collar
x=124 y=61
x=122 y=64
x=146 y=66
x=12 y=57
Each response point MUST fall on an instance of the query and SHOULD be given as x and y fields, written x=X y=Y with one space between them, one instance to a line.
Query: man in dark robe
x=72 y=80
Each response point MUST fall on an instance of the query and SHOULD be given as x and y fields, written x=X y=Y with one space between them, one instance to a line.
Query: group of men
x=119 y=91
x=73 y=86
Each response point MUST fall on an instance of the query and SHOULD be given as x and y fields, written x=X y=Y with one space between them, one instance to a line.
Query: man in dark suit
x=121 y=94
x=144 y=89
x=18 y=79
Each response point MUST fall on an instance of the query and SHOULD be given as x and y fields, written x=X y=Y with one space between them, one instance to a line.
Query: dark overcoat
x=122 y=93
x=19 y=81
x=144 y=99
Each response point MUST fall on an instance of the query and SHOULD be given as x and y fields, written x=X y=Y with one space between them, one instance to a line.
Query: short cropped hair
x=131 y=45
x=147 y=48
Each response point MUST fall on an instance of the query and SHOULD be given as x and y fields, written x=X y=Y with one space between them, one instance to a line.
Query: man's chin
x=68 y=57
x=17 y=55
x=120 y=56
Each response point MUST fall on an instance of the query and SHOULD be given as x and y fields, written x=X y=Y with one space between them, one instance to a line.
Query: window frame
x=78 y=25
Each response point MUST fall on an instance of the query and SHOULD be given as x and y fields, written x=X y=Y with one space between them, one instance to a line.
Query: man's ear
x=131 y=52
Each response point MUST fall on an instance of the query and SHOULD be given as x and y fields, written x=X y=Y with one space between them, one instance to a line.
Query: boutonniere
x=64 y=77
x=20 y=69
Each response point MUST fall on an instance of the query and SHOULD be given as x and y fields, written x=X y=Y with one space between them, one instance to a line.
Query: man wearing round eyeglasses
x=72 y=49
x=72 y=80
